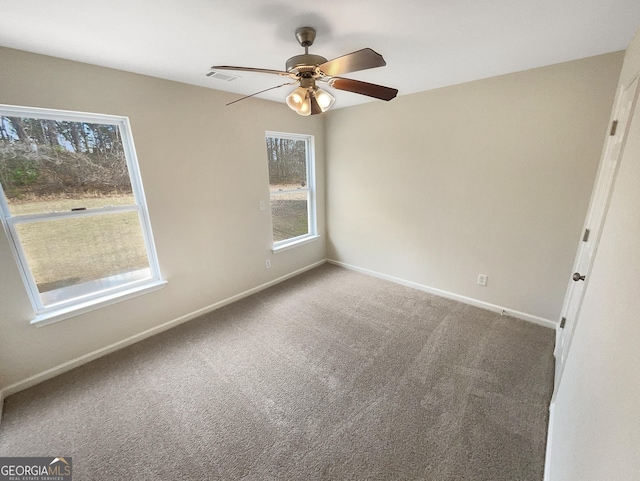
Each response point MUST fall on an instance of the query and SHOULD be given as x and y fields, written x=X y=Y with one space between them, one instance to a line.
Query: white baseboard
x=450 y=295
x=67 y=366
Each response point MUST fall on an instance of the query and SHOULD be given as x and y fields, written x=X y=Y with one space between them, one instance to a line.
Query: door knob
x=577 y=277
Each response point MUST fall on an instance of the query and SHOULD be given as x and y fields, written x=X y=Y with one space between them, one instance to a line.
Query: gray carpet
x=330 y=375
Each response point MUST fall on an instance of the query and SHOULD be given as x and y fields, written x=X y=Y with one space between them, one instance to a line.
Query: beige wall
x=202 y=188
x=594 y=426
x=492 y=177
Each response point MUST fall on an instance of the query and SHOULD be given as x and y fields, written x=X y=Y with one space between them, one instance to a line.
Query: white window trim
x=312 y=229
x=90 y=305
x=75 y=306
x=298 y=241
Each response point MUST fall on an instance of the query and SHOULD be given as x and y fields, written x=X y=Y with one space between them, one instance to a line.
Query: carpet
x=332 y=374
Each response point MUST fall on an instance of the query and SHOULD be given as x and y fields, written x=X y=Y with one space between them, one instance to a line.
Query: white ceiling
x=426 y=43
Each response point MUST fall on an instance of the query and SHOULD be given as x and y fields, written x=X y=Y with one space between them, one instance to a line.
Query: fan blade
x=352 y=62
x=258 y=70
x=363 y=88
x=257 y=93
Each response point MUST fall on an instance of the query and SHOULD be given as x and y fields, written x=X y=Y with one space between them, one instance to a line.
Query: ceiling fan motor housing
x=305 y=60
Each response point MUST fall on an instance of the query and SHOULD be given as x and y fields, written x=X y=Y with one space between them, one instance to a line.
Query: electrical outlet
x=268 y=263
x=482 y=279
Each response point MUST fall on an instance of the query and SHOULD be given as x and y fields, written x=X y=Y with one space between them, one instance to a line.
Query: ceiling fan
x=307 y=69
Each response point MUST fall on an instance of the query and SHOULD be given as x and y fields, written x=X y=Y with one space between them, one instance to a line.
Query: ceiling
x=427 y=43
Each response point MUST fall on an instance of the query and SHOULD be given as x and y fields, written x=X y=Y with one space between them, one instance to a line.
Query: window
x=292 y=188
x=74 y=210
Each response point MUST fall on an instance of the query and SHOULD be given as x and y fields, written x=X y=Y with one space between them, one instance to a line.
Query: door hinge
x=614 y=126
x=562 y=322
x=585 y=237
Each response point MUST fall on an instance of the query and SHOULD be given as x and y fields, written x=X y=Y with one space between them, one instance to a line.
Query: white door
x=593 y=225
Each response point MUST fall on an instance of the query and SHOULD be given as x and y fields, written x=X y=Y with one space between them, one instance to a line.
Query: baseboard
x=67 y=366
x=450 y=295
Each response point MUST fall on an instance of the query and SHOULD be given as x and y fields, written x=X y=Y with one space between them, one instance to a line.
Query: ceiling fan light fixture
x=325 y=99
x=300 y=101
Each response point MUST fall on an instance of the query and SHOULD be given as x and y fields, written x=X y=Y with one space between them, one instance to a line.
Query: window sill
x=294 y=243
x=83 y=307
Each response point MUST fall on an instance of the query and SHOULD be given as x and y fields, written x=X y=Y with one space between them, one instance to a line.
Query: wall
x=203 y=190
x=594 y=426
x=490 y=177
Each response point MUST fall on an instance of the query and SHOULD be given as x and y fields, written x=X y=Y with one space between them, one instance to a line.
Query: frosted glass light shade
x=325 y=99
x=299 y=101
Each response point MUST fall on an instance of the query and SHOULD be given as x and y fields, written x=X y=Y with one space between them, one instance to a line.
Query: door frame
x=624 y=105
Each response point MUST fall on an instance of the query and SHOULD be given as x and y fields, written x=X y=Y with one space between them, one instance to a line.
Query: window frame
x=310 y=188
x=46 y=314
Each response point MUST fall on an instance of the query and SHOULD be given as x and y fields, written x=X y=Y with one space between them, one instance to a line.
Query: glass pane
x=290 y=215
x=51 y=165
x=287 y=164
x=77 y=256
